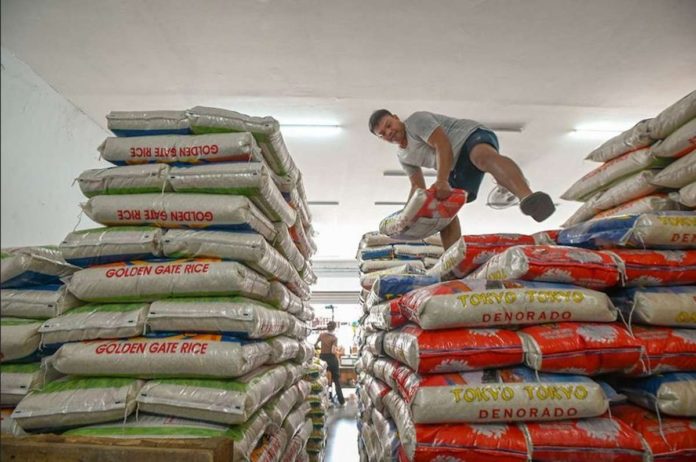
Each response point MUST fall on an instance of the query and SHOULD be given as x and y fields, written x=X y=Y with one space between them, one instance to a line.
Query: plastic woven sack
x=204 y=356
x=665 y=350
x=600 y=439
x=129 y=179
x=279 y=406
x=676 y=115
x=283 y=349
x=19 y=339
x=586 y=268
x=169 y=210
x=180 y=149
x=221 y=401
x=423 y=215
x=652 y=203
x=417 y=251
x=148 y=281
x=92 y=322
x=386 y=316
x=678 y=174
x=113 y=244
x=472 y=251
x=453 y=350
x=294 y=452
x=148 y=123
x=478 y=303
x=660 y=230
x=657 y=267
x=305 y=244
x=367 y=280
x=39 y=302
x=687 y=195
x=75 y=401
x=635 y=138
x=658 y=306
x=271 y=445
x=375 y=238
x=389 y=287
x=296 y=419
x=243 y=179
x=280 y=297
x=585 y=212
x=669 y=439
x=633 y=187
x=16 y=380
x=679 y=143
x=672 y=393
x=23 y=267
x=8 y=425
x=237 y=316
x=371 y=266
x=580 y=348
x=284 y=244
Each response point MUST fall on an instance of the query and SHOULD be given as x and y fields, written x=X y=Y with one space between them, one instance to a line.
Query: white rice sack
x=423 y=215
x=401 y=414
x=298 y=329
x=280 y=406
x=73 y=401
x=284 y=244
x=678 y=174
x=305 y=353
x=8 y=425
x=307 y=313
x=93 y=322
x=280 y=297
x=148 y=281
x=23 y=267
x=652 y=203
x=687 y=195
x=205 y=356
x=19 y=338
x=658 y=306
x=374 y=343
x=296 y=419
x=417 y=251
x=585 y=212
x=679 y=143
x=295 y=451
x=129 y=179
x=237 y=316
x=607 y=174
x=381 y=252
x=633 y=187
x=283 y=349
x=386 y=370
x=375 y=238
x=672 y=393
x=170 y=149
x=295 y=374
x=308 y=274
x=371 y=266
x=271 y=445
x=148 y=123
x=16 y=380
x=367 y=280
x=477 y=303
x=305 y=244
x=669 y=120
x=221 y=401
x=632 y=139
x=266 y=131
x=40 y=302
x=243 y=179
x=214 y=211
x=108 y=245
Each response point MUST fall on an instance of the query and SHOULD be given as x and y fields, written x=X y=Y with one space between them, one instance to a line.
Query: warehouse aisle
x=342 y=439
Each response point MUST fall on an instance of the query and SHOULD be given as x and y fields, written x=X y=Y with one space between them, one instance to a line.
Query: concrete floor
x=342 y=438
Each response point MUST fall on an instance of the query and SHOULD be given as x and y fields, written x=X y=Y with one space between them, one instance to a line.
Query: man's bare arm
x=417 y=182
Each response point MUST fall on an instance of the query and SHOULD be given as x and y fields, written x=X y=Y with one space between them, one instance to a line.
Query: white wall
x=46 y=143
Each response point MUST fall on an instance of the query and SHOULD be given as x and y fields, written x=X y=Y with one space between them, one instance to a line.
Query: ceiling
x=548 y=66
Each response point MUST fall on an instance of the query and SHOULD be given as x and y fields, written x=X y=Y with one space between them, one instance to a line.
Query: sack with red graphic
x=480 y=303
x=601 y=439
x=580 y=348
x=670 y=439
x=665 y=350
x=386 y=316
x=423 y=215
x=470 y=252
x=586 y=268
x=658 y=267
x=453 y=350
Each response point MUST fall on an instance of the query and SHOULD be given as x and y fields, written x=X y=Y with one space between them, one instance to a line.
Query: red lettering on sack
x=168 y=269
x=138 y=151
x=195 y=348
x=191 y=215
x=120 y=348
x=128 y=271
x=193 y=268
x=163 y=348
x=128 y=214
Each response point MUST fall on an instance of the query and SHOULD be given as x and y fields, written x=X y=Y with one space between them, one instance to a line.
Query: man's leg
x=451 y=233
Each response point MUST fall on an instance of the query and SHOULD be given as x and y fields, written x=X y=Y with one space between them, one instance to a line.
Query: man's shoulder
x=418 y=115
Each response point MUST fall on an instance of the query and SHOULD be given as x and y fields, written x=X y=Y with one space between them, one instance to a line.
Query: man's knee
x=484 y=157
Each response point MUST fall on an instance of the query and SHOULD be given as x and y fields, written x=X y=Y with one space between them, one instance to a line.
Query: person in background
x=461 y=151
x=329 y=348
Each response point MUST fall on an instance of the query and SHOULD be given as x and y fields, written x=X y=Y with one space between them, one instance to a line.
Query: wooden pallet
x=55 y=448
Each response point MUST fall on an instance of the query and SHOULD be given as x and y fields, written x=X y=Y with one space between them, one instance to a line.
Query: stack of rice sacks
x=196 y=289
x=317 y=403
x=650 y=167
x=32 y=290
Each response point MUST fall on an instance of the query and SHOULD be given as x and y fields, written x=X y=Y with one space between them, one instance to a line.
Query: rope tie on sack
x=662 y=432
x=79 y=217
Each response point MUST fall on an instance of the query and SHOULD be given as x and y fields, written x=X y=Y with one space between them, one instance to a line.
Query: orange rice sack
x=658 y=267
x=665 y=350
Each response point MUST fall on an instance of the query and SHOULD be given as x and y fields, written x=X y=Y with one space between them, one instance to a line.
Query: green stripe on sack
x=118 y=191
x=29 y=368
x=19 y=321
x=117 y=229
x=241 y=300
x=228 y=385
x=248 y=192
x=107 y=308
x=77 y=383
x=165 y=432
x=153 y=297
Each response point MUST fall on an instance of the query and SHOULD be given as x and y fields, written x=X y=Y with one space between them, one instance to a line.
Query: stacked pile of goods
x=196 y=290
x=649 y=167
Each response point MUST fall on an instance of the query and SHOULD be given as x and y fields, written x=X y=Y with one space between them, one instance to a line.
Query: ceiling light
x=402 y=173
x=600 y=130
x=389 y=203
x=322 y=202
x=310 y=130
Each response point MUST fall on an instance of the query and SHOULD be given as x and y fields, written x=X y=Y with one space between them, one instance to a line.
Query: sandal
x=538 y=205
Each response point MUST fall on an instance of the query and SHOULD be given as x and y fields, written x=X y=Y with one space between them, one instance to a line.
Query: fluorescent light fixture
x=310 y=130
x=322 y=202
x=507 y=128
x=389 y=203
x=600 y=130
x=402 y=173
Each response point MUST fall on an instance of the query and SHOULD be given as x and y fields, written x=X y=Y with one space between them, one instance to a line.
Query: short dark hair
x=331 y=325
x=376 y=117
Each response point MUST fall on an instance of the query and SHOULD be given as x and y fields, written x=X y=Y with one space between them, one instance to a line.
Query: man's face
x=390 y=129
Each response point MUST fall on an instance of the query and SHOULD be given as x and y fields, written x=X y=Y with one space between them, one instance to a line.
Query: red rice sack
x=580 y=348
x=679 y=143
x=423 y=215
x=479 y=303
x=583 y=267
x=600 y=439
x=453 y=350
x=636 y=137
x=470 y=252
x=500 y=395
x=658 y=267
x=147 y=281
x=204 y=356
x=669 y=439
x=666 y=350
x=386 y=316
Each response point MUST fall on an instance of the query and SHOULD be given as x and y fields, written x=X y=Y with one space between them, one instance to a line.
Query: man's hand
x=442 y=189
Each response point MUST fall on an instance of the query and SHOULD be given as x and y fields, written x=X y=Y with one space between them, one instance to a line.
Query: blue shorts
x=465 y=175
